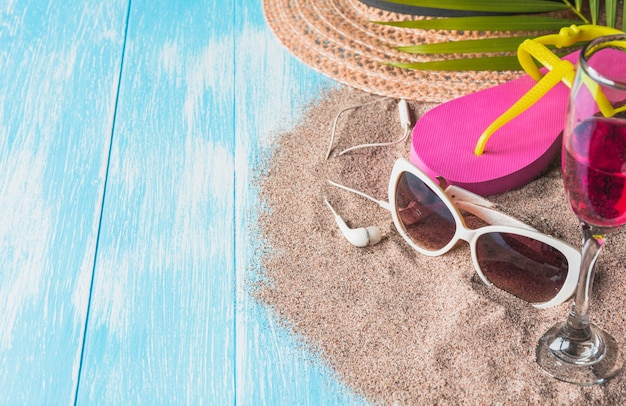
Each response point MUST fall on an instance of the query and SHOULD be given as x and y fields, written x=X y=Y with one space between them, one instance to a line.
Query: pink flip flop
x=522 y=121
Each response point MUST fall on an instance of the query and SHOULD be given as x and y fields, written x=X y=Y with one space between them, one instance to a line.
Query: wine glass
x=594 y=176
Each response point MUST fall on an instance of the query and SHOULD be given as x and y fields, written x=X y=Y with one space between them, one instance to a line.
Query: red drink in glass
x=594 y=171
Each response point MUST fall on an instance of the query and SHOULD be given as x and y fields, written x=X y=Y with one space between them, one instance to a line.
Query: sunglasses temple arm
x=381 y=203
x=482 y=208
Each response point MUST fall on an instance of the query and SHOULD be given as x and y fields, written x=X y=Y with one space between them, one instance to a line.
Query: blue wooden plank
x=161 y=322
x=60 y=69
x=170 y=319
x=273 y=88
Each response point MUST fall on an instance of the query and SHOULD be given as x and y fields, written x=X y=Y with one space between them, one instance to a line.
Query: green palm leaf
x=505 y=44
x=611 y=13
x=486 y=23
x=528 y=22
x=491 y=6
x=594 y=9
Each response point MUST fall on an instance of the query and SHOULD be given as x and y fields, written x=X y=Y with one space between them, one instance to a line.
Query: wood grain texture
x=128 y=135
x=162 y=310
x=60 y=68
x=273 y=90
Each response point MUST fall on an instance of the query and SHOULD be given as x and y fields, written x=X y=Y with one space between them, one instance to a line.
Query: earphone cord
x=405 y=121
x=407 y=131
x=332 y=137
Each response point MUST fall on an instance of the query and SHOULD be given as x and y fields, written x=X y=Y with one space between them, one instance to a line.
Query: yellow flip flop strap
x=559 y=70
x=605 y=106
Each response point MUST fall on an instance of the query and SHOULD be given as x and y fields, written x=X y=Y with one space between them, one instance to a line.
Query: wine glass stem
x=577 y=324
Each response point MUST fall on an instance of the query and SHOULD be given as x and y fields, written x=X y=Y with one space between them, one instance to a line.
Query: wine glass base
x=587 y=369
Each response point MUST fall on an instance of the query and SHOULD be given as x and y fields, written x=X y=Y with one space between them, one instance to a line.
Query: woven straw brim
x=338 y=38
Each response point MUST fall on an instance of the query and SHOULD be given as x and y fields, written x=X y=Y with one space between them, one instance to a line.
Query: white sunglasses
x=511 y=255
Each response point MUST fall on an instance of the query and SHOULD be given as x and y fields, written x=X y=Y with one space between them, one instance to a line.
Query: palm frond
x=611 y=12
x=489 y=6
x=519 y=17
x=594 y=9
x=487 y=23
x=504 y=44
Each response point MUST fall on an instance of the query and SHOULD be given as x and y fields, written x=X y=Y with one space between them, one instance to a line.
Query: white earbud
x=359 y=237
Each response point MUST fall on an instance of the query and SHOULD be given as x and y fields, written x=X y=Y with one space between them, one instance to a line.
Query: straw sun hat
x=338 y=38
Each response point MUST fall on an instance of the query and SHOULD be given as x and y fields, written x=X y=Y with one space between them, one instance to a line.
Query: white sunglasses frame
x=456 y=198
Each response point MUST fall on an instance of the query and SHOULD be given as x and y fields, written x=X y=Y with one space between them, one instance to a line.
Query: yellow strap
x=605 y=106
x=531 y=48
x=568 y=36
x=558 y=70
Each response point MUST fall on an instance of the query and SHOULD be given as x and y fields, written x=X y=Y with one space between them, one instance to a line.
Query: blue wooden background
x=128 y=133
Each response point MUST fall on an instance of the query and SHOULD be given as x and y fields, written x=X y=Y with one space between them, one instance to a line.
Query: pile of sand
x=397 y=326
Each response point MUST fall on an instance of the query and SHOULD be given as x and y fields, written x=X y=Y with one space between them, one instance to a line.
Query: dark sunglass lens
x=424 y=216
x=527 y=268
